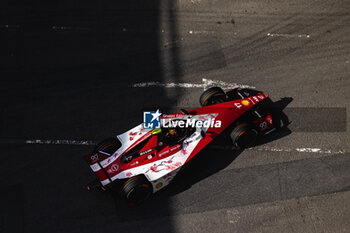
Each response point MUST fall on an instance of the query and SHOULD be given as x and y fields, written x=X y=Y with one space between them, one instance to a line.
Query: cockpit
x=159 y=139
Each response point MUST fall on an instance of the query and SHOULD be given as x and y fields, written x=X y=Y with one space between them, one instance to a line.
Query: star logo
x=156 y=115
x=151 y=120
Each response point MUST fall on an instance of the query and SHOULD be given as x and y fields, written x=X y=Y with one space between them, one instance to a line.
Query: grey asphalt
x=67 y=71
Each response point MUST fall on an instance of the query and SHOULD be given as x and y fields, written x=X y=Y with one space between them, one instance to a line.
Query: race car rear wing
x=93 y=160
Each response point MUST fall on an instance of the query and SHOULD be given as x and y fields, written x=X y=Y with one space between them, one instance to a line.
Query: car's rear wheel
x=136 y=190
x=108 y=146
x=212 y=96
x=243 y=136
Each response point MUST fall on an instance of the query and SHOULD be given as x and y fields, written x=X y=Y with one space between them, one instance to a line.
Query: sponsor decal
x=238 y=105
x=245 y=102
x=169 y=150
x=113 y=168
x=164 y=153
x=252 y=99
x=146 y=151
x=159 y=185
x=175 y=147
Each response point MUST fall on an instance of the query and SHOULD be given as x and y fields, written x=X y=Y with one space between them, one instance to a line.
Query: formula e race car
x=144 y=160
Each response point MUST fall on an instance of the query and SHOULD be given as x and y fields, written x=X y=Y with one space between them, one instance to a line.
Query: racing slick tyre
x=243 y=136
x=212 y=96
x=109 y=146
x=136 y=190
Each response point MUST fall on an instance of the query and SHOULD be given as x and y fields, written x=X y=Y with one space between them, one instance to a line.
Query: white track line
x=49 y=142
x=91 y=143
x=167 y=85
x=206 y=83
x=61 y=142
x=276 y=149
x=301 y=150
x=288 y=35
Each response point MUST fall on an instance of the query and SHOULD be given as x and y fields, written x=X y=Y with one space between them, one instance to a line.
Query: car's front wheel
x=212 y=96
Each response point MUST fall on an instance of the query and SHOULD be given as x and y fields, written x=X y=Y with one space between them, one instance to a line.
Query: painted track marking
x=288 y=35
x=206 y=83
x=276 y=149
x=92 y=143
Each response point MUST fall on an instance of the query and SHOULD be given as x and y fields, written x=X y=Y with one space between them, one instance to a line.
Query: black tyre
x=243 y=136
x=136 y=190
x=212 y=96
x=109 y=146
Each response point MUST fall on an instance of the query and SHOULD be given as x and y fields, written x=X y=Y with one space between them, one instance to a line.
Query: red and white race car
x=143 y=161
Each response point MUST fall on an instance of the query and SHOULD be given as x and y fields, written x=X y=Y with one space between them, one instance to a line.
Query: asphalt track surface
x=67 y=71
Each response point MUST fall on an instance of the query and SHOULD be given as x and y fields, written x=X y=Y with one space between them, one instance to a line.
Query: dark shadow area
x=206 y=164
x=79 y=58
x=12 y=201
x=66 y=72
